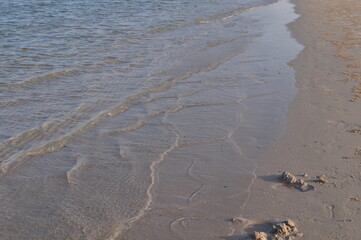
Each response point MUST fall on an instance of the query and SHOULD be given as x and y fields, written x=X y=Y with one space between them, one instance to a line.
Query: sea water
x=112 y=111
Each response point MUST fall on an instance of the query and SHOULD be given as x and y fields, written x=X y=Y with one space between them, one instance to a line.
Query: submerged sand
x=172 y=159
x=322 y=142
x=190 y=167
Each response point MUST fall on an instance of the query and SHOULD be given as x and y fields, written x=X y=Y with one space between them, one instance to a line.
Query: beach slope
x=322 y=143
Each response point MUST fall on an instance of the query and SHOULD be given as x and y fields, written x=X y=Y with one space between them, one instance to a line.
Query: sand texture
x=322 y=143
x=204 y=154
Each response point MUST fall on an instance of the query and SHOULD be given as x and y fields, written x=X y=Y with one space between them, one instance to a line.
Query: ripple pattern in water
x=94 y=95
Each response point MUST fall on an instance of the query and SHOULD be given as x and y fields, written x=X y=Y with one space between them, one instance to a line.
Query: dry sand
x=322 y=143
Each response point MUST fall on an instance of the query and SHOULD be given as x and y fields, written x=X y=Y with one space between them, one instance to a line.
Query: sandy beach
x=322 y=142
x=200 y=120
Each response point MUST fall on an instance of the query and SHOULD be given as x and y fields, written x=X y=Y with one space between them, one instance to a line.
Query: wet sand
x=322 y=142
x=170 y=156
x=202 y=184
x=183 y=161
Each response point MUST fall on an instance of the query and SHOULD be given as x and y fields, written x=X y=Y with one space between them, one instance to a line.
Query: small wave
x=226 y=16
x=50 y=76
x=41 y=80
x=12 y=103
x=13 y=85
x=166 y=28
x=211 y=19
x=73 y=173
x=214 y=44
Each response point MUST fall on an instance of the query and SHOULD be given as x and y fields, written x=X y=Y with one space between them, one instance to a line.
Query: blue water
x=57 y=56
x=38 y=37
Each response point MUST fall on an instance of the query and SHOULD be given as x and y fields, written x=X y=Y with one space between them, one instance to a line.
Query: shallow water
x=118 y=115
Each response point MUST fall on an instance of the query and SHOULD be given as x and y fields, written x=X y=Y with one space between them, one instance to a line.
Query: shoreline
x=202 y=157
x=172 y=145
x=322 y=135
x=200 y=187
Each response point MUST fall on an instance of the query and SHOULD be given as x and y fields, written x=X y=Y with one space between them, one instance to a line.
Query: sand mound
x=291 y=180
x=286 y=230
